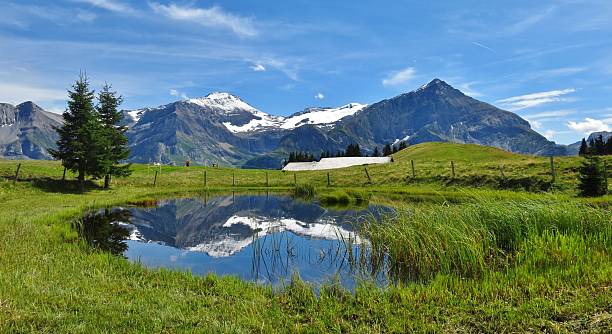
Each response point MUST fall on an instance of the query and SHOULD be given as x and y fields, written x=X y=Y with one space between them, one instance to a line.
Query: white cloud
x=110 y=5
x=399 y=77
x=319 y=96
x=214 y=17
x=549 y=134
x=589 y=125
x=535 y=124
x=534 y=99
x=176 y=93
x=18 y=93
x=258 y=68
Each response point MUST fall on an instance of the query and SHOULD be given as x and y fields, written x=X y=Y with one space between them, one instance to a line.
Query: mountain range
x=221 y=128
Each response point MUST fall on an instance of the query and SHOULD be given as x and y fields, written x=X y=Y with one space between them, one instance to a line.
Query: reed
x=419 y=242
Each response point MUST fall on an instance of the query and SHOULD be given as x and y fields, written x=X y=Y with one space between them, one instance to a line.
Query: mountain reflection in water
x=255 y=237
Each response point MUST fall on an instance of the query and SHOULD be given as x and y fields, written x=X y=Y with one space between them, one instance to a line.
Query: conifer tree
x=592 y=177
x=402 y=145
x=81 y=137
x=584 y=148
x=116 y=144
x=376 y=153
x=599 y=146
x=387 y=150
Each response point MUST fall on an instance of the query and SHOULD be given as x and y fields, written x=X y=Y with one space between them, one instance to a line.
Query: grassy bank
x=475 y=167
x=483 y=260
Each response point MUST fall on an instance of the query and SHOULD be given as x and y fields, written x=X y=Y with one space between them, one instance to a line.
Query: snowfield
x=322 y=115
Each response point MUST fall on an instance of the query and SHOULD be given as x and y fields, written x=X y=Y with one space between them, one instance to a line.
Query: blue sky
x=548 y=61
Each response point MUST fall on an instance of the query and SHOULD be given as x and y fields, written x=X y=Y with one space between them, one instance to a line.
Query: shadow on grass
x=51 y=185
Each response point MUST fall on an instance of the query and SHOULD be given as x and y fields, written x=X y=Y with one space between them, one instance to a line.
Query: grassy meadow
x=483 y=251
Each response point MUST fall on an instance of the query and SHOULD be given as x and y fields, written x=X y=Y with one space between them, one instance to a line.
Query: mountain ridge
x=222 y=128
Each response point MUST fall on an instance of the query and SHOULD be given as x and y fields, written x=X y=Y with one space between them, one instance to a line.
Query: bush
x=592 y=177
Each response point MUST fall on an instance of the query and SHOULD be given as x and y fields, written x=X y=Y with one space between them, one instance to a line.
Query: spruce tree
x=592 y=177
x=81 y=137
x=376 y=153
x=584 y=148
x=387 y=150
x=116 y=146
x=599 y=146
x=609 y=146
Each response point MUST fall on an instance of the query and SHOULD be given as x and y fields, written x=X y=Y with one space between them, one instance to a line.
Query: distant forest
x=352 y=150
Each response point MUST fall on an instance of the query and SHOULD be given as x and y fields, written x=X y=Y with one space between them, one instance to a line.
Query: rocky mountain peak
x=224 y=101
x=437 y=86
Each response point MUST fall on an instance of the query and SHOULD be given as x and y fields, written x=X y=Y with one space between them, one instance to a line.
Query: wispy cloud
x=534 y=99
x=20 y=15
x=483 y=46
x=110 y=5
x=589 y=125
x=551 y=114
x=288 y=67
x=529 y=21
x=399 y=77
x=213 y=17
x=16 y=93
x=258 y=68
x=319 y=96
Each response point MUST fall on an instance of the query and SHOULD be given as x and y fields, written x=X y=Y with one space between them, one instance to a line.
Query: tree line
x=596 y=146
x=352 y=150
x=91 y=140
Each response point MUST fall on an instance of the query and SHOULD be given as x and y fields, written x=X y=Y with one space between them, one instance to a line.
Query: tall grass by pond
x=419 y=242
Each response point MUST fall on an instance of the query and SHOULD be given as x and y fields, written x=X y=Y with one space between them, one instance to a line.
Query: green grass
x=420 y=242
x=482 y=260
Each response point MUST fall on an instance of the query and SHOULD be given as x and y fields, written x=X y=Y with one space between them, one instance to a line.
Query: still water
x=261 y=238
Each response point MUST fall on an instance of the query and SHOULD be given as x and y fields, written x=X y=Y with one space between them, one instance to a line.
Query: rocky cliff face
x=27 y=131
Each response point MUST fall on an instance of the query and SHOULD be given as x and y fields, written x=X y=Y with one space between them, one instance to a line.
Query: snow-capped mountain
x=261 y=121
x=222 y=128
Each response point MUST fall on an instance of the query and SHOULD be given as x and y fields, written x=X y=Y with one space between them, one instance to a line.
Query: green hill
x=437 y=151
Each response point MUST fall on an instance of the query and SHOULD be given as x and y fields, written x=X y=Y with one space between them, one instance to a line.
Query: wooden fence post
x=233 y=178
x=155 y=179
x=453 y=168
x=328 y=181
x=64 y=175
x=552 y=169
x=413 y=173
x=606 y=174
x=17 y=173
x=368 y=175
x=267 y=181
x=205 y=178
x=501 y=171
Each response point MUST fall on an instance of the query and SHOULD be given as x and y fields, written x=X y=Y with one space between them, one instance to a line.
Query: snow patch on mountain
x=223 y=101
x=261 y=121
x=136 y=114
x=322 y=115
